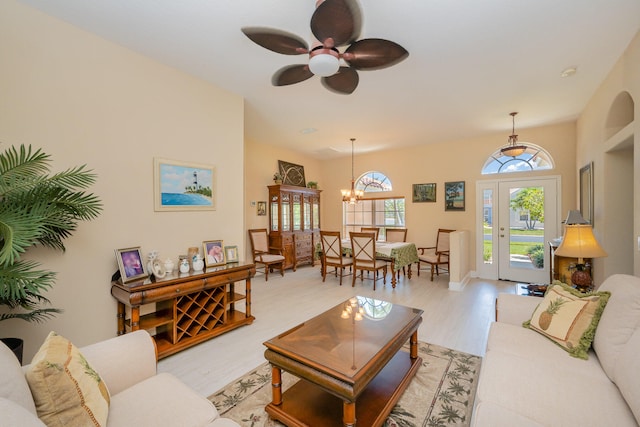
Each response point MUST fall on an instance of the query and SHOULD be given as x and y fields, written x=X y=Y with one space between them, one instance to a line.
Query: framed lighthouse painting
x=183 y=186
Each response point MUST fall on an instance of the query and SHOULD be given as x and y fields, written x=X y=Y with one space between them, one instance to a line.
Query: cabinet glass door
x=274 y=216
x=286 y=213
x=297 y=212
x=307 y=213
x=315 y=216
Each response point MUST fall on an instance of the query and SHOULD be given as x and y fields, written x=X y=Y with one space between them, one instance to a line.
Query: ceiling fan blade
x=277 y=40
x=372 y=54
x=337 y=20
x=291 y=74
x=345 y=81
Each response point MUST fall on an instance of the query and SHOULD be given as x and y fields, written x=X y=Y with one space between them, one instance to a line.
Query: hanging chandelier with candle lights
x=352 y=196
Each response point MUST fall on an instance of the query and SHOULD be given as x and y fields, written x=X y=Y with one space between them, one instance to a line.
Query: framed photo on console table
x=130 y=264
x=231 y=254
x=213 y=253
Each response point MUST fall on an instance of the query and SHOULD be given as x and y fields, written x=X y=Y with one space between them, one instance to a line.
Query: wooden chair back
x=331 y=245
x=396 y=234
x=259 y=241
x=442 y=241
x=370 y=230
x=363 y=247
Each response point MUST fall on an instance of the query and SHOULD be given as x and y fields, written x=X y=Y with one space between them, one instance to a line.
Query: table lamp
x=579 y=242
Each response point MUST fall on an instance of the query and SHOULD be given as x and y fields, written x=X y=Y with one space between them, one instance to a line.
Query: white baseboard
x=459 y=286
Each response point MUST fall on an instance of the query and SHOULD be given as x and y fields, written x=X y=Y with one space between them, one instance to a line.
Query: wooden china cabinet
x=294 y=222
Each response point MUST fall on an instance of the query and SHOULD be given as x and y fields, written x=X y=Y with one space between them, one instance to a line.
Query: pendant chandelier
x=513 y=149
x=352 y=196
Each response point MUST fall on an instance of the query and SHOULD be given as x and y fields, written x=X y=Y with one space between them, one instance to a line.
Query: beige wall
x=449 y=161
x=615 y=154
x=261 y=162
x=84 y=100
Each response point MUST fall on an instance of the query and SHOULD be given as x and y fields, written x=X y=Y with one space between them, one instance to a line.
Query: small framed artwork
x=262 y=208
x=231 y=254
x=424 y=192
x=213 y=252
x=130 y=264
x=454 y=196
x=586 y=192
x=291 y=173
x=182 y=186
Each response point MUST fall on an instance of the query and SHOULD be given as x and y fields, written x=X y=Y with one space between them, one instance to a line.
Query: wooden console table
x=189 y=307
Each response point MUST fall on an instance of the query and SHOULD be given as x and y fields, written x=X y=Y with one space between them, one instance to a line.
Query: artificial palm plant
x=36 y=208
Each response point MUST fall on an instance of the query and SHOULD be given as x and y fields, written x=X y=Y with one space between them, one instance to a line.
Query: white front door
x=517 y=219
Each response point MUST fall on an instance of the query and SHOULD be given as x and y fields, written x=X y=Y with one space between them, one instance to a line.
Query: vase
x=168 y=265
x=198 y=263
x=184 y=266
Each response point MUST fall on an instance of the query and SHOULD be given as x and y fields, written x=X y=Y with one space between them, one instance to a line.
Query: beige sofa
x=527 y=380
x=139 y=396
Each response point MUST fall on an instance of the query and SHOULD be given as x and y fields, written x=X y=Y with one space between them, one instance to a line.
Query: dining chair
x=332 y=254
x=371 y=229
x=437 y=255
x=263 y=254
x=363 y=247
x=396 y=234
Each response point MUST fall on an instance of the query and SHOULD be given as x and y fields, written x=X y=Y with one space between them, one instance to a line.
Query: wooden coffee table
x=350 y=369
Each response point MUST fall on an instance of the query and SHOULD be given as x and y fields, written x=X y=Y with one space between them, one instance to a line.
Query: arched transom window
x=533 y=158
x=373 y=181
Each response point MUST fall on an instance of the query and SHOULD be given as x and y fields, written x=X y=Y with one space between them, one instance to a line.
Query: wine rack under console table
x=189 y=307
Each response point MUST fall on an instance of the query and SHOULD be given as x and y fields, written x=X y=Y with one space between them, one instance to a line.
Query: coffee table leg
x=276 y=385
x=349 y=414
x=413 y=345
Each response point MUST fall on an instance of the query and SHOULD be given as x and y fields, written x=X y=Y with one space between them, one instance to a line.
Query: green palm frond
x=37 y=208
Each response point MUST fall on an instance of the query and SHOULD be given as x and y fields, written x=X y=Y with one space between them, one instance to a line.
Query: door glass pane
x=526 y=227
x=487 y=219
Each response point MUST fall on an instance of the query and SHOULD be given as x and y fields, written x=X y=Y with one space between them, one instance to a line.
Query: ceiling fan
x=335 y=23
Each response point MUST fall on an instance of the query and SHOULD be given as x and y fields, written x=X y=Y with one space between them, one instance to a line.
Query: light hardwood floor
x=458 y=320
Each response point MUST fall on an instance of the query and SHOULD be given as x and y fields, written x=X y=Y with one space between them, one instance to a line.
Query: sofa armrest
x=12 y=414
x=515 y=309
x=124 y=360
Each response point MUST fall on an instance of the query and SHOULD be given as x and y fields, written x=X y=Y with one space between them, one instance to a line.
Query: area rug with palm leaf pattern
x=441 y=393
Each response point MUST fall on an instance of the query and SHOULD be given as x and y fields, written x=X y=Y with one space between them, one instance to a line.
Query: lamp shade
x=579 y=242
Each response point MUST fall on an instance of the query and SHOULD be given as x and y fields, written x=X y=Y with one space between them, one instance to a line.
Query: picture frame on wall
x=454 y=196
x=213 y=253
x=183 y=186
x=424 y=192
x=291 y=173
x=586 y=192
x=131 y=264
x=231 y=254
x=262 y=209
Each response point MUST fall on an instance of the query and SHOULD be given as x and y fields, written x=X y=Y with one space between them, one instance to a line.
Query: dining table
x=399 y=254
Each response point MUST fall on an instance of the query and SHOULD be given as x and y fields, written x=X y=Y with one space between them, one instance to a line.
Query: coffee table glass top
x=346 y=337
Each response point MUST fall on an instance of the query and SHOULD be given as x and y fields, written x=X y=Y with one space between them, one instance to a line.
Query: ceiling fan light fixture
x=324 y=62
x=513 y=149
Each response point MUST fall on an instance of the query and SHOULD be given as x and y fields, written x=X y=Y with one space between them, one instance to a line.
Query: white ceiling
x=470 y=63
